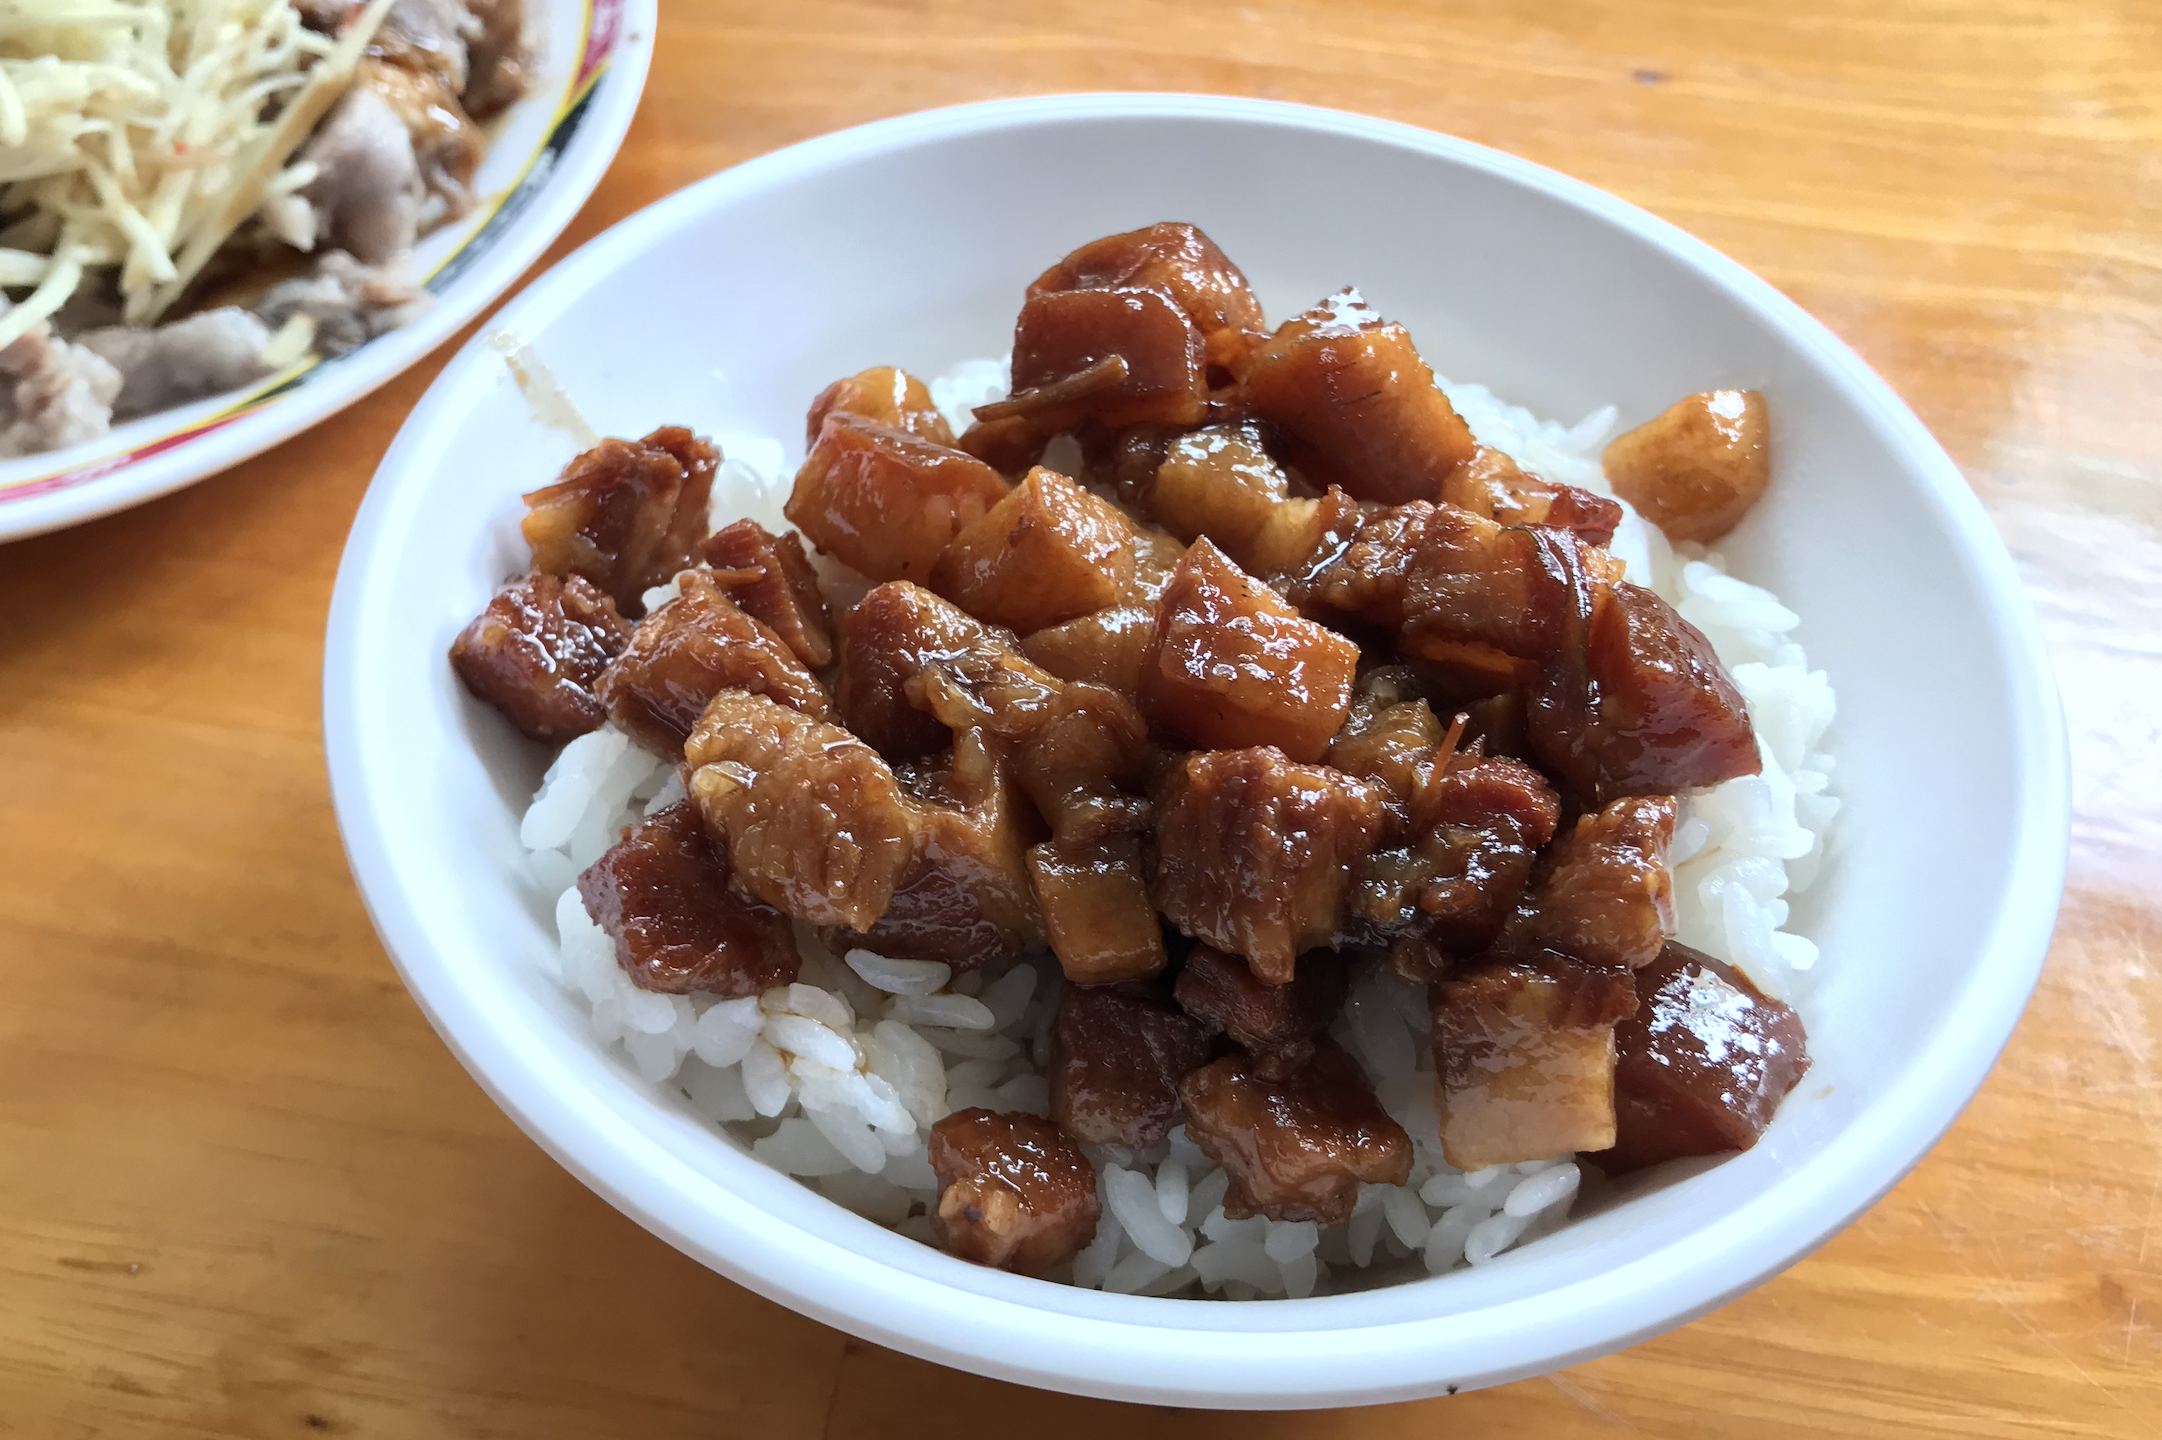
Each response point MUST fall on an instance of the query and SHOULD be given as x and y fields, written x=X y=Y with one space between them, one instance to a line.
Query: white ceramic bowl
x=910 y=242
x=545 y=155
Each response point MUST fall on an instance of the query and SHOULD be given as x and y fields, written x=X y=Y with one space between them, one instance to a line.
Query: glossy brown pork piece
x=1046 y=553
x=536 y=651
x=1604 y=893
x=1643 y=706
x=1524 y=1052
x=1222 y=482
x=1117 y=357
x=771 y=580
x=1105 y=648
x=1356 y=405
x=1702 y=1065
x=1254 y=854
x=896 y=633
x=1296 y=1148
x=1695 y=469
x=1492 y=485
x=1014 y=1192
x=964 y=897
x=884 y=501
x=689 y=650
x=883 y=395
x=1229 y=664
x=1116 y=1061
x=1183 y=263
x=813 y=821
x=624 y=514
x=1274 y=1024
x=662 y=895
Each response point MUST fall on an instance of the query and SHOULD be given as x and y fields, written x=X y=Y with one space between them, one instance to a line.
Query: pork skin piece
x=900 y=631
x=884 y=395
x=689 y=650
x=1104 y=648
x=1254 y=854
x=1230 y=665
x=1604 y=893
x=884 y=501
x=1356 y=405
x=1014 y=1193
x=1097 y=915
x=625 y=514
x=814 y=822
x=1472 y=832
x=1274 y=1024
x=536 y=652
x=661 y=893
x=1221 y=482
x=1524 y=1052
x=1491 y=484
x=1046 y=553
x=1702 y=1065
x=1183 y=263
x=1695 y=469
x=771 y=579
x=1118 y=357
x=1299 y=1147
x=1644 y=706
x=964 y=897
x=1387 y=733
x=1117 y=1057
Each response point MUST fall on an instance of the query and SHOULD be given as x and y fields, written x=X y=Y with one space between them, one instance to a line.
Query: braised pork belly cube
x=689 y=650
x=1492 y=601
x=964 y=897
x=624 y=514
x=814 y=822
x=1229 y=664
x=1084 y=759
x=1604 y=893
x=1472 y=831
x=1387 y=733
x=896 y=634
x=1524 y=1052
x=1491 y=484
x=884 y=395
x=1156 y=560
x=1097 y=915
x=662 y=894
x=1104 y=648
x=1297 y=1147
x=1254 y=853
x=1274 y=1024
x=1118 y=357
x=884 y=501
x=770 y=578
x=1220 y=482
x=1182 y=262
x=1695 y=469
x=1644 y=707
x=1014 y=1192
x=1356 y=405
x=1116 y=1061
x=1046 y=553
x=536 y=651
x=1702 y=1065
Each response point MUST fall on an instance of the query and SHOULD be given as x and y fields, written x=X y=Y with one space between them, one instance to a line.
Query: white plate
x=544 y=157
x=910 y=242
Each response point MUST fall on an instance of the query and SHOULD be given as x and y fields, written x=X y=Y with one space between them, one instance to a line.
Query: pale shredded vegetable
x=138 y=136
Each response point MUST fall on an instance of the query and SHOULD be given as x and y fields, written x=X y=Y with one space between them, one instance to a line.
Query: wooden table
x=244 y=1191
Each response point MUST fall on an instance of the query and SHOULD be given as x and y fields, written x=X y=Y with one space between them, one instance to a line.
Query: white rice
x=837 y=1079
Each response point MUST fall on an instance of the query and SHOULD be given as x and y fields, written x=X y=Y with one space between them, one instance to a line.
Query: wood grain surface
x=244 y=1191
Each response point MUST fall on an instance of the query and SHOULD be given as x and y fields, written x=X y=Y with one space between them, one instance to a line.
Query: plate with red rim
x=545 y=155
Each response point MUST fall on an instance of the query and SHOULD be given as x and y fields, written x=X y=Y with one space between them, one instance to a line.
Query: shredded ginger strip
x=140 y=134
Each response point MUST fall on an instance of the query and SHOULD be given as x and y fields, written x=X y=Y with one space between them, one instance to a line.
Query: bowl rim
x=199 y=439
x=1144 y=1349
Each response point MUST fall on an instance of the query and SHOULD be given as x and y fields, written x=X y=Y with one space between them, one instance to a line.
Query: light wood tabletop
x=245 y=1191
